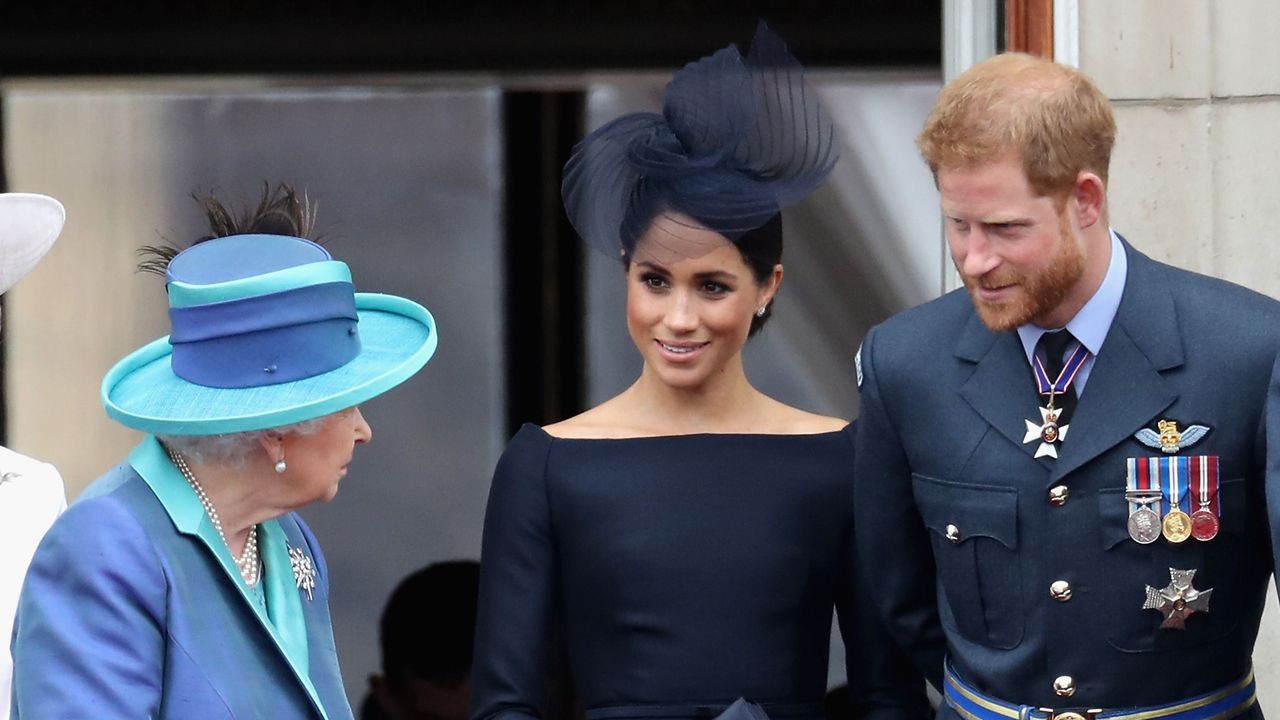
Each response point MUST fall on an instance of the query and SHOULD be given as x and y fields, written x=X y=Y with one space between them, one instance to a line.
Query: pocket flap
x=972 y=510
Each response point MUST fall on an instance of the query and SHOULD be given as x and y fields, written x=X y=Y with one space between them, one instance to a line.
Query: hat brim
x=397 y=338
x=29 y=223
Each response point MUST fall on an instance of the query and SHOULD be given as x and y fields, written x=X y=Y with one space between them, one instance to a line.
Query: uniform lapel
x=1000 y=389
x=1125 y=388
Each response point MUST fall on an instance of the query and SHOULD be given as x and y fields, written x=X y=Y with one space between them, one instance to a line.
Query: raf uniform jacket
x=961 y=542
x=130 y=610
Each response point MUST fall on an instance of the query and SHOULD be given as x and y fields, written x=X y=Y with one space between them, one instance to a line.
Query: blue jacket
x=133 y=609
x=964 y=533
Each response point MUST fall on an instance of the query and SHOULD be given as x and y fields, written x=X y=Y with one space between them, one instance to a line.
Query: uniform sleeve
x=89 y=636
x=883 y=682
x=894 y=556
x=517 y=586
x=1270 y=432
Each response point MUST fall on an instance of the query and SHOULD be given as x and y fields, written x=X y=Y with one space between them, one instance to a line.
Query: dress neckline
x=681 y=436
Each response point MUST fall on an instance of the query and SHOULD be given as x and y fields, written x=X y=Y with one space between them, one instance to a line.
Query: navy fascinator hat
x=738 y=139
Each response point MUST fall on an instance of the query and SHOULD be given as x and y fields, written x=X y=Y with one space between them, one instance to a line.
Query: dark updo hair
x=761 y=250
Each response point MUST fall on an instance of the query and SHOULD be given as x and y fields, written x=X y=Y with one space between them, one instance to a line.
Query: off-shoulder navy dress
x=685 y=571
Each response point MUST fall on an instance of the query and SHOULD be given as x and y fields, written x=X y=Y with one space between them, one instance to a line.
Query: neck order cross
x=248 y=564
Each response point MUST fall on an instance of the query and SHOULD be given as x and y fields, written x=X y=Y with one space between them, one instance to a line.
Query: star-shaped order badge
x=1178 y=600
x=1048 y=432
x=304 y=571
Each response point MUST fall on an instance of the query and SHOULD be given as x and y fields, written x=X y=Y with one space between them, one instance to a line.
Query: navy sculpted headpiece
x=738 y=139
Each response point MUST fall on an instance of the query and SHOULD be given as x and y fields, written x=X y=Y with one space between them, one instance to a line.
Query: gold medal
x=1177 y=526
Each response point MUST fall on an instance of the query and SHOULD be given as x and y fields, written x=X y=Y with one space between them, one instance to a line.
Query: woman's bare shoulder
x=606 y=420
x=788 y=420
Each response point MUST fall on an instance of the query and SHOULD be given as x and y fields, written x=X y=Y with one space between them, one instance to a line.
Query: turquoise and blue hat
x=267 y=330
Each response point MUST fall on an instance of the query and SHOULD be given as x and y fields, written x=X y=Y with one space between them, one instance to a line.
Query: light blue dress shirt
x=1091 y=325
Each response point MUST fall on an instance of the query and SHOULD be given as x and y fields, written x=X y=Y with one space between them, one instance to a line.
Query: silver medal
x=1144 y=525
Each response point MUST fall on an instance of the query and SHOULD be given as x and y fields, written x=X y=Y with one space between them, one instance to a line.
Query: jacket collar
x=286 y=621
x=1125 y=387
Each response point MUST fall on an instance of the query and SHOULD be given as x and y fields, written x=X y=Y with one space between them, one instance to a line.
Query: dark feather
x=282 y=211
x=155 y=258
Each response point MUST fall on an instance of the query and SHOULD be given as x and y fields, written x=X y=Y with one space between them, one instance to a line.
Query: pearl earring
x=760 y=311
x=281 y=466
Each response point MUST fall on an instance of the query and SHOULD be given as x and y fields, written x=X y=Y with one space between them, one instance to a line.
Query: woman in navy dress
x=689 y=537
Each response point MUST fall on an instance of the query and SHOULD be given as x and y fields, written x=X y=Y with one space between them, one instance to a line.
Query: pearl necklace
x=248 y=564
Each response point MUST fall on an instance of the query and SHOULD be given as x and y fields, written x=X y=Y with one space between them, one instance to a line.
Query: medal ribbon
x=1064 y=379
x=1141 y=476
x=1173 y=470
x=1204 y=473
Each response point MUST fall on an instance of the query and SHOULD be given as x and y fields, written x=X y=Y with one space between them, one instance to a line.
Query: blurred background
x=432 y=138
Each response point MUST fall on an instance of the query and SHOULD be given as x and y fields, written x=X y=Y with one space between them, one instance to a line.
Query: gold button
x=953 y=533
x=1060 y=590
x=1068 y=716
x=1064 y=686
x=1058 y=495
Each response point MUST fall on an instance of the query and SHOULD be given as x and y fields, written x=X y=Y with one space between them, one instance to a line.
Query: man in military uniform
x=1060 y=469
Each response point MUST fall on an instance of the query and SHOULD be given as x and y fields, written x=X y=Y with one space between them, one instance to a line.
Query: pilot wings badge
x=1169 y=439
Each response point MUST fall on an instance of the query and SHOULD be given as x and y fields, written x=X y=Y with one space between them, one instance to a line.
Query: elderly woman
x=182 y=584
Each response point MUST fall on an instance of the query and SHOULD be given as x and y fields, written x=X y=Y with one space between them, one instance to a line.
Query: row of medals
x=1146 y=526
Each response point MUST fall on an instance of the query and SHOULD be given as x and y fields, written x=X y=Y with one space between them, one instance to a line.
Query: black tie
x=1051 y=349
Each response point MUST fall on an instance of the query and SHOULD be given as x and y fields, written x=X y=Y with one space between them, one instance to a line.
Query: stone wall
x=1197 y=98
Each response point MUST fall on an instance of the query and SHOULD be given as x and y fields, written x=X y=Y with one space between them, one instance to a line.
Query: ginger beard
x=1041 y=291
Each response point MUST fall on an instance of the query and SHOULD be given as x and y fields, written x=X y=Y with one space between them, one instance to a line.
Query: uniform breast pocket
x=1129 y=567
x=974 y=530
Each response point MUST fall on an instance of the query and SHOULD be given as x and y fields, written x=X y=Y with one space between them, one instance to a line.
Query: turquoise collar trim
x=151 y=461
x=283 y=619
x=284 y=600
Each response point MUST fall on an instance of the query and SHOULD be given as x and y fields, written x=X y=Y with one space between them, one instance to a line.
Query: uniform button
x=1058 y=495
x=1060 y=590
x=1064 y=686
x=953 y=533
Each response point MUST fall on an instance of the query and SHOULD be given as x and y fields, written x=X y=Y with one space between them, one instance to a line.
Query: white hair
x=233 y=448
